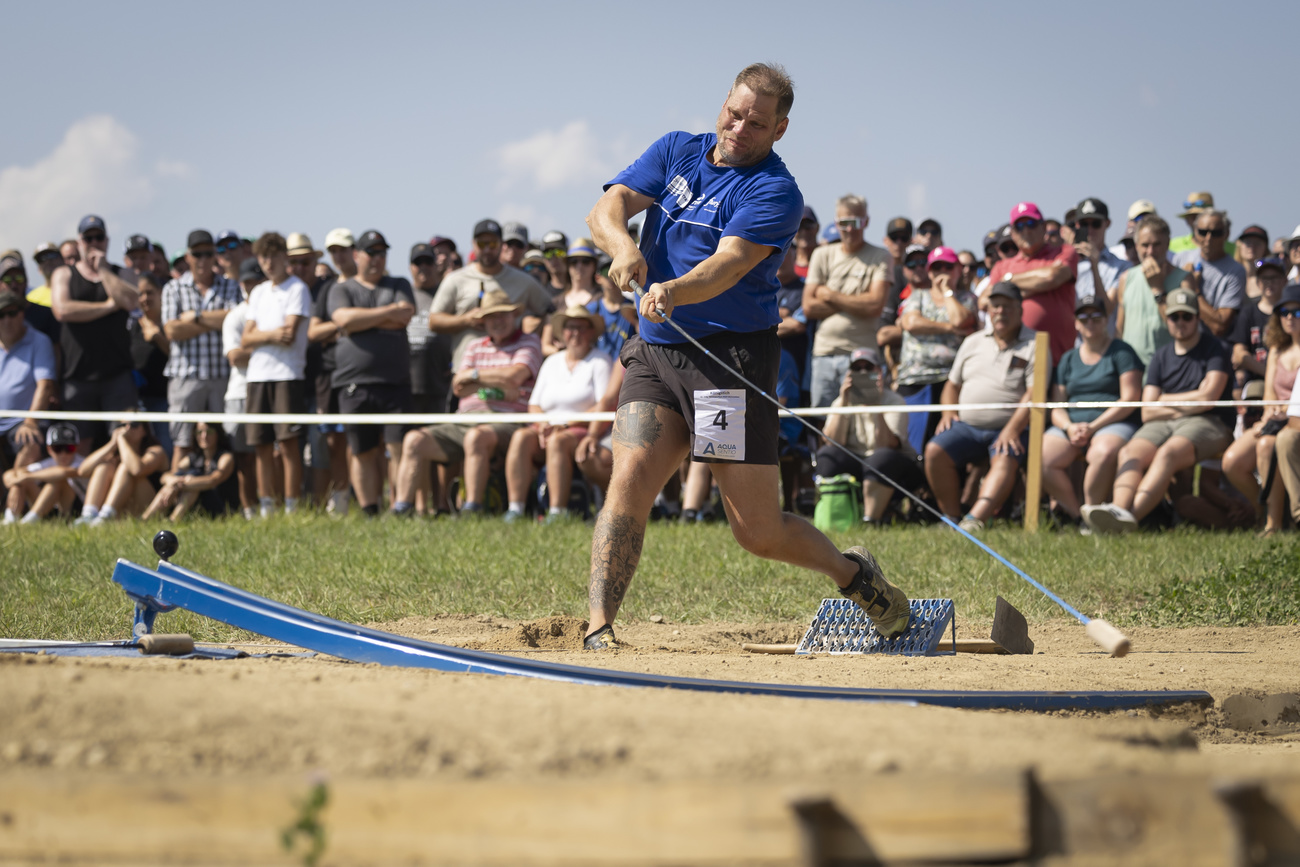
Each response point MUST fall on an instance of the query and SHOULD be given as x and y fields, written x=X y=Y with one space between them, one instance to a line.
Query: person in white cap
x=323 y=333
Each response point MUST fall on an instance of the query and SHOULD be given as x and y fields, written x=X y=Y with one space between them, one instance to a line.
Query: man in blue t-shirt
x=720 y=211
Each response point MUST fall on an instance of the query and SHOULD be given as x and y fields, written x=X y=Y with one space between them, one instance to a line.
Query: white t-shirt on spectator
x=268 y=305
x=560 y=389
x=232 y=335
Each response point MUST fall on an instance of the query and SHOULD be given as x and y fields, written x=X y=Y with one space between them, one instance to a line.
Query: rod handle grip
x=1108 y=637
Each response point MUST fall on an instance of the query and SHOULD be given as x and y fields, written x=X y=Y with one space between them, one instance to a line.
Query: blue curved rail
x=175 y=587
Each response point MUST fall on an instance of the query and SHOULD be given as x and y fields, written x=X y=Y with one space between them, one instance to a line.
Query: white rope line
x=559 y=418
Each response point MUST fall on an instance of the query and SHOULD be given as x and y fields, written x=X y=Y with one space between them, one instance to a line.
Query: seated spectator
x=1127 y=247
x=1140 y=295
x=994 y=366
x=880 y=439
x=1194 y=206
x=1098 y=369
x=496 y=374
x=1252 y=246
x=27 y=381
x=936 y=316
x=569 y=381
x=535 y=266
x=53 y=483
x=1254 y=449
x=122 y=474
x=201 y=479
x=914 y=276
x=1044 y=273
x=1194 y=367
x=1216 y=276
x=1249 y=349
x=793 y=329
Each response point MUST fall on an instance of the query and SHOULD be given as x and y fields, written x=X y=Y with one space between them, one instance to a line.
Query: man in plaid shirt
x=496 y=374
x=194 y=306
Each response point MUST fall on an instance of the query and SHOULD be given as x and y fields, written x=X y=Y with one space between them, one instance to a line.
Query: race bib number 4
x=720 y=424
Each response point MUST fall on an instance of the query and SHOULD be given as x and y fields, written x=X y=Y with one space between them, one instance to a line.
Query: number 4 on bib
x=720 y=424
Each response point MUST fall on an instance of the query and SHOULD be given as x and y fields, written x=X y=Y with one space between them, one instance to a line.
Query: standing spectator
x=1127 y=247
x=555 y=247
x=618 y=315
x=936 y=317
x=372 y=361
x=27 y=381
x=303 y=261
x=496 y=374
x=535 y=266
x=514 y=244
x=47 y=259
x=966 y=278
x=1252 y=246
x=1194 y=367
x=929 y=234
x=462 y=291
x=1293 y=256
x=793 y=329
x=1044 y=273
x=805 y=242
x=1052 y=232
x=1140 y=295
x=49 y=484
x=571 y=380
x=94 y=304
x=13 y=278
x=232 y=252
x=150 y=350
x=1100 y=368
x=845 y=290
x=232 y=344
x=1196 y=204
x=889 y=337
x=276 y=331
x=193 y=308
x=1249 y=346
x=139 y=255
x=322 y=332
x=898 y=235
x=444 y=252
x=1066 y=229
x=994 y=366
x=583 y=289
x=430 y=355
x=1216 y=277
x=161 y=271
x=1099 y=278
x=878 y=439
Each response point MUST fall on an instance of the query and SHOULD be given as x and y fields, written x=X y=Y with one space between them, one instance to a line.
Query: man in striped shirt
x=194 y=306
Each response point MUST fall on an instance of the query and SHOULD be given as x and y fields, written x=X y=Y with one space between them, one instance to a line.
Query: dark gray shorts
x=109 y=395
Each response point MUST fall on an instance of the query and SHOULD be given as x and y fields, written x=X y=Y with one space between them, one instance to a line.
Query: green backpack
x=839 y=503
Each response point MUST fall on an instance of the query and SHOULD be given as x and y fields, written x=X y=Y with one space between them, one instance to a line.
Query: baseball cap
x=1071 y=216
x=514 y=232
x=1023 y=210
x=48 y=248
x=229 y=235
x=1271 y=262
x=10 y=262
x=1295 y=236
x=1086 y=301
x=372 y=238
x=1290 y=295
x=534 y=256
x=1092 y=208
x=439 y=239
x=11 y=300
x=582 y=248
x=1198 y=202
x=89 y=223
x=1181 y=301
x=197 y=237
x=62 y=433
x=898 y=226
x=250 y=270
x=138 y=242
x=809 y=214
x=339 y=238
x=831 y=234
x=913 y=249
x=422 y=251
x=942 y=254
x=487 y=227
x=1006 y=289
x=1254 y=231
x=300 y=245
x=930 y=221
x=1004 y=233
x=555 y=240
x=1140 y=207
x=992 y=238
x=865 y=353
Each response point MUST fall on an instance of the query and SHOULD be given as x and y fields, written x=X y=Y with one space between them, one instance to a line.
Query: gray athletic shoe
x=601 y=639
x=1109 y=518
x=885 y=604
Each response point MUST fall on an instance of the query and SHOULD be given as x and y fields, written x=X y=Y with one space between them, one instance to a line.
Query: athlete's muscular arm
x=608 y=224
x=735 y=258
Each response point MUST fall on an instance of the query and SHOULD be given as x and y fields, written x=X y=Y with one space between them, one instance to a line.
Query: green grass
x=55 y=580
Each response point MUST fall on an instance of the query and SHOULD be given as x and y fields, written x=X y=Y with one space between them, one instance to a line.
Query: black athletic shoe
x=885 y=604
x=601 y=639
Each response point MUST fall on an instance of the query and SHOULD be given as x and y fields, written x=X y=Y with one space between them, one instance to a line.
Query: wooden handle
x=164 y=644
x=1108 y=637
x=769 y=648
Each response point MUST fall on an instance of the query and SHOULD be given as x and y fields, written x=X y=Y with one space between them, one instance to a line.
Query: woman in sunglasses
x=201 y=478
x=124 y=474
x=1140 y=295
x=1098 y=369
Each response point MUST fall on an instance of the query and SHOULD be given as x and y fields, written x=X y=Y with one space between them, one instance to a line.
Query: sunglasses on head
x=94 y=237
x=227 y=246
x=1181 y=316
x=65 y=449
x=1288 y=312
x=1211 y=233
x=1027 y=223
x=1199 y=203
x=850 y=223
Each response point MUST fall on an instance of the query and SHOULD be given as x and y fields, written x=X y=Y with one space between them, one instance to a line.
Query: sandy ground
x=288 y=714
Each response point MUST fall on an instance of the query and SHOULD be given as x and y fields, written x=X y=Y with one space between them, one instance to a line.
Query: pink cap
x=1025 y=209
x=941 y=254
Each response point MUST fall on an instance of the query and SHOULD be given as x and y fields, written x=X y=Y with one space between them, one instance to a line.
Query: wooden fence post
x=1037 y=417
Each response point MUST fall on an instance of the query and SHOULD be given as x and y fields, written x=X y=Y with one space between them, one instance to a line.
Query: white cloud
x=94 y=169
x=553 y=159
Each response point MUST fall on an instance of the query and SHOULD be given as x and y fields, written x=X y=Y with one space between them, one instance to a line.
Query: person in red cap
x=1044 y=273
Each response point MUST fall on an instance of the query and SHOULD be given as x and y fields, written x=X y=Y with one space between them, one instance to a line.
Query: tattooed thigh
x=636 y=425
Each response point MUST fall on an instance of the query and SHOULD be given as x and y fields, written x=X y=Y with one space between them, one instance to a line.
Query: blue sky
x=419 y=119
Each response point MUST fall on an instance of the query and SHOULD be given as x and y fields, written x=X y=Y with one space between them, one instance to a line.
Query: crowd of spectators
x=271 y=325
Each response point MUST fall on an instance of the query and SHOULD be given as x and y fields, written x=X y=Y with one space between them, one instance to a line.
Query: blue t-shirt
x=696 y=205
x=30 y=359
x=617 y=328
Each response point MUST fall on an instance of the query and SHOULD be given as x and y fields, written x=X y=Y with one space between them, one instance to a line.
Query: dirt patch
x=557 y=632
x=1278 y=713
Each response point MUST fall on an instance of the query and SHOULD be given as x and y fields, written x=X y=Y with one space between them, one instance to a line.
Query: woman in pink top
x=1254 y=449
